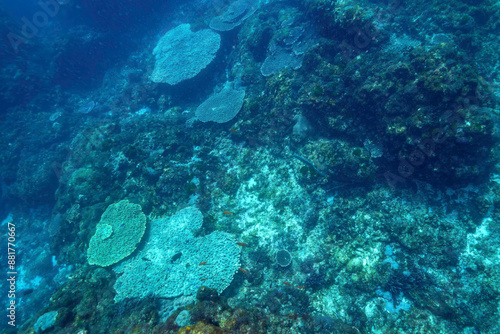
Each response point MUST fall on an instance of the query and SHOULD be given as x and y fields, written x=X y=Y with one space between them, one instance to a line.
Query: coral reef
x=359 y=136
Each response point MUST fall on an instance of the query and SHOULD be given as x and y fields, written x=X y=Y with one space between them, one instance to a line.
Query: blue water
x=306 y=166
x=16 y=10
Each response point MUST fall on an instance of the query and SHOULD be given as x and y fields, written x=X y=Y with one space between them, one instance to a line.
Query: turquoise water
x=304 y=166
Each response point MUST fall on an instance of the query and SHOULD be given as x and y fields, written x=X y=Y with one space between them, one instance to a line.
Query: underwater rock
x=45 y=321
x=36 y=180
x=183 y=319
x=302 y=127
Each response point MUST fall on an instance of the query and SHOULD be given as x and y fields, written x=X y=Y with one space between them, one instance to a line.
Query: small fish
x=176 y=257
x=233 y=130
x=242 y=244
x=243 y=270
x=204 y=279
x=25 y=292
x=203 y=263
x=227 y=212
x=288 y=283
x=301 y=287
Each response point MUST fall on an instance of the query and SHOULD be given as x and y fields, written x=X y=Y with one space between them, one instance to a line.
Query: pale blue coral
x=181 y=54
x=169 y=265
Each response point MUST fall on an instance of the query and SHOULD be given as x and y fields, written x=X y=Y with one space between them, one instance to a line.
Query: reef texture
x=369 y=152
